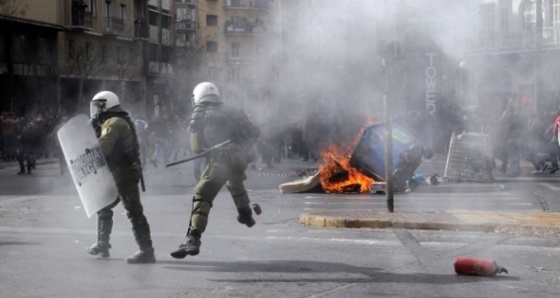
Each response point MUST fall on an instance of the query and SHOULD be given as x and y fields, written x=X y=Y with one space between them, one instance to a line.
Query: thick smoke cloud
x=332 y=73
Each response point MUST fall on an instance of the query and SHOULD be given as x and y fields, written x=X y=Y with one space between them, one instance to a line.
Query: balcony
x=80 y=21
x=114 y=26
x=141 y=28
x=141 y=31
x=239 y=59
x=256 y=27
x=266 y=5
x=187 y=2
x=515 y=42
x=186 y=25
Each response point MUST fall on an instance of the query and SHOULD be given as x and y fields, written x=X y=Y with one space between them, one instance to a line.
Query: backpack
x=245 y=133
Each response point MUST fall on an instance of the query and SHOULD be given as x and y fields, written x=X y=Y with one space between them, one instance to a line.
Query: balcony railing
x=192 y=2
x=524 y=41
x=141 y=31
x=80 y=20
x=114 y=25
x=255 y=27
x=240 y=59
x=267 y=5
x=185 y=24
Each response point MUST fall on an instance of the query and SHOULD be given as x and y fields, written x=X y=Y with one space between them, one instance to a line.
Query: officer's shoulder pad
x=116 y=121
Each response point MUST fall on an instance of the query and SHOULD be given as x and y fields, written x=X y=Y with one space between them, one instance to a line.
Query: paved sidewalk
x=533 y=223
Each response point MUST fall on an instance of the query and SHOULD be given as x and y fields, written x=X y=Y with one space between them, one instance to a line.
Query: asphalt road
x=44 y=232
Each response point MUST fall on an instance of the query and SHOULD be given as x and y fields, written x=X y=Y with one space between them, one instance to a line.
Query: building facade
x=514 y=52
x=55 y=56
x=238 y=44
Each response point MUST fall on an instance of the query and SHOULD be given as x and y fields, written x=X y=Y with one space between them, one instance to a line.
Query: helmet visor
x=96 y=107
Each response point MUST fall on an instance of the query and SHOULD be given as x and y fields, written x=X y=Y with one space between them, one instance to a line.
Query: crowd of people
x=519 y=132
x=163 y=139
x=26 y=138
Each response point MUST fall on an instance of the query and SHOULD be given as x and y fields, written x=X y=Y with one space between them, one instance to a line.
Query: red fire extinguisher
x=479 y=267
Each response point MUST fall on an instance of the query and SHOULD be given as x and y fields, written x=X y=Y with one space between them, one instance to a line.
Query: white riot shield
x=87 y=165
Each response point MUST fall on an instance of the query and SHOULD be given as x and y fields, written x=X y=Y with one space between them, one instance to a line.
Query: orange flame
x=336 y=173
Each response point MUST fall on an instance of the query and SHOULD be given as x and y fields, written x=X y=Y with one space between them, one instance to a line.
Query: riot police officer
x=212 y=123
x=119 y=143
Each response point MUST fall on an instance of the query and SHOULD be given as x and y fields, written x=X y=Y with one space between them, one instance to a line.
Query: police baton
x=141 y=176
x=142 y=179
x=203 y=153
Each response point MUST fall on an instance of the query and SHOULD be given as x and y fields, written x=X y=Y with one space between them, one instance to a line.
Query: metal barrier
x=469 y=158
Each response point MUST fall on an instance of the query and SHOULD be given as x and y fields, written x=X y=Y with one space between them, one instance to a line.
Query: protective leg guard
x=246 y=217
x=190 y=246
x=144 y=256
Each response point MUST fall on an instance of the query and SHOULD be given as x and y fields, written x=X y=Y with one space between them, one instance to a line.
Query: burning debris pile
x=336 y=175
x=355 y=166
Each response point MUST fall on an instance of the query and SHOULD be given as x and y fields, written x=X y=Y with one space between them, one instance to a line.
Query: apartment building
x=57 y=54
x=513 y=51
x=28 y=56
x=239 y=41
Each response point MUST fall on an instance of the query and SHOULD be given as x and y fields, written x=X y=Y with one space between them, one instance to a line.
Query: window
x=89 y=51
x=108 y=20
x=211 y=20
x=235 y=49
x=556 y=13
x=123 y=12
x=487 y=16
x=71 y=50
x=43 y=50
x=132 y=56
x=211 y=46
x=120 y=56
x=93 y=7
x=504 y=20
x=153 y=19
x=235 y=75
x=104 y=54
x=183 y=14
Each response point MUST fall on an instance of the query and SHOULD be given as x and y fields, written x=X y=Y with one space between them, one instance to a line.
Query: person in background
x=10 y=137
x=26 y=148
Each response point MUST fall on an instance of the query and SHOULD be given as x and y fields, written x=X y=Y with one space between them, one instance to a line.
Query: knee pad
x=105 y=213
x=201 y=207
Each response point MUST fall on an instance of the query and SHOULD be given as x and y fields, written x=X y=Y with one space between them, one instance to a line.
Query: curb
x=526 y=223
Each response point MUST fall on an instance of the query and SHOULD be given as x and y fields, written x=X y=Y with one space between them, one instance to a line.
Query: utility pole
x=388 y=141
x=538 y=59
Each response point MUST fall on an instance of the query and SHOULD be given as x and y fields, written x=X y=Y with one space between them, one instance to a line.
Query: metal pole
x=388 y=143
x=538 y=59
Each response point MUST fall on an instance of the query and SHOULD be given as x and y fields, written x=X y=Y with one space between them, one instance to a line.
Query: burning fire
x=336 y=173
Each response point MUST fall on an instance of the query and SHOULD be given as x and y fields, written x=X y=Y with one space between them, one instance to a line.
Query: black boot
x=144 y=256
x=100 y=248
x=190 y=246
x=246 y=217
x=141 y=231
x=104 y=228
